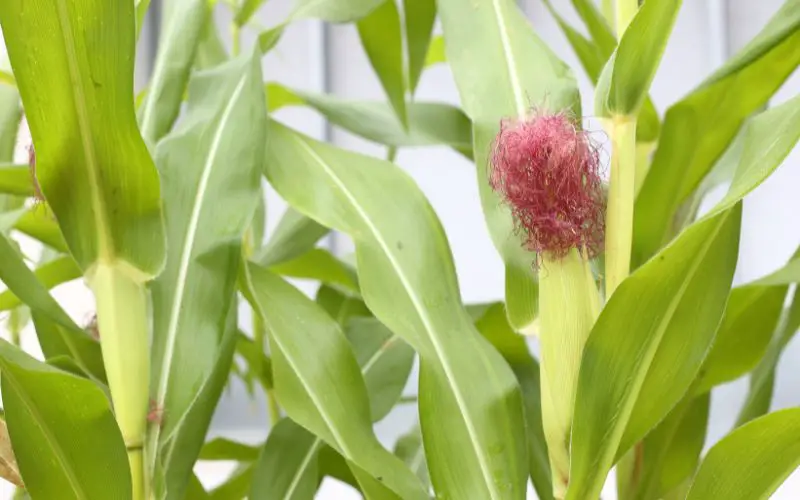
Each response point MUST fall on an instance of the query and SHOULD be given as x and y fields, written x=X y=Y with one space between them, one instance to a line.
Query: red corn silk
x=548 y=172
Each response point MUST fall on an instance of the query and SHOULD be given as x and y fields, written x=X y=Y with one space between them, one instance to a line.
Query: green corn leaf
x=748 y=324
x=49 y=274
x=210 y=169
x=15 y=180
x=246 y=10
x=410 y=450
x=10 y=117
x=84 y=128
x=762 y=379
x=295 y=235
x=195 y=491
x=38 y=223
x=420 y=16
x=408 y=280
x=385 y=361
x=381 y=37
x=334 y=11
x=289 y=465
x=225 y=449
x=65 y=440
x=318 y=264
x=699 y=128
x=501 y=69
x=673 y=304
x=596 y=24
x=435 y=52
x=594 y=55
x=259 y=365
x=181 y=32
x=341 y=306
x=430 y=124
x=493 y=325
x=318 y=381
x=633 y=66
x=671 y=452
x=236 y=486
x=58 y=334
x=752 y=461
x=210 y=50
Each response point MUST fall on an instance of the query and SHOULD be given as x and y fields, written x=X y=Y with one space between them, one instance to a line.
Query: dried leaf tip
x=548 y=172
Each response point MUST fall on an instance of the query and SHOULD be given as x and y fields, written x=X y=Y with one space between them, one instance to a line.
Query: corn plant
x=156 y=202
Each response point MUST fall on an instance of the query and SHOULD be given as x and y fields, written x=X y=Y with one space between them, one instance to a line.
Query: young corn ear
x=547 y=171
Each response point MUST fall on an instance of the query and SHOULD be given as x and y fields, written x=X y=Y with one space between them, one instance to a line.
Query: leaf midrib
x=188 y=247
x=421 y=312
x=510 y=60
x=312 y=450
x=51 y=440
x=92 y=169
x=380 y=352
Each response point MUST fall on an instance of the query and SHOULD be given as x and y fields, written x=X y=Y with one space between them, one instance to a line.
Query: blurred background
x=317 y=57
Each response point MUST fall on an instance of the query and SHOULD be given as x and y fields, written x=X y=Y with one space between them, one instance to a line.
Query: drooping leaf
x=15 y=180
x=341 y=306
x=752 y=461
x=181 y=32
x=699 y=128
x=381 y=37
x=674 y=303
x=633 y=65
x=746 y=330
x=210 y=169
x=429 y=124
x=493 y=325
x=318 y=381
x=288 y=467
x=65 y=439
x=419 y=16
x=671 y=452
x=408 y=281
x=91 y=162
x=50 y=275
x=501 y=69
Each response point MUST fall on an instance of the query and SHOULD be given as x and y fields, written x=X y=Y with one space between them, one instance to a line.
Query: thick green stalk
x=122 y=323
x=568 y=305
x=619 y=213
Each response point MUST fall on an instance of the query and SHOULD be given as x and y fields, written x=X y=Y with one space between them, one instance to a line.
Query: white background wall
x=313 y=57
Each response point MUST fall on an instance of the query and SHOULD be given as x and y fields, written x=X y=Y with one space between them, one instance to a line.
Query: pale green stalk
x=621 y=190
x=568 y=306
x=122 y=323
x=619 y=226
